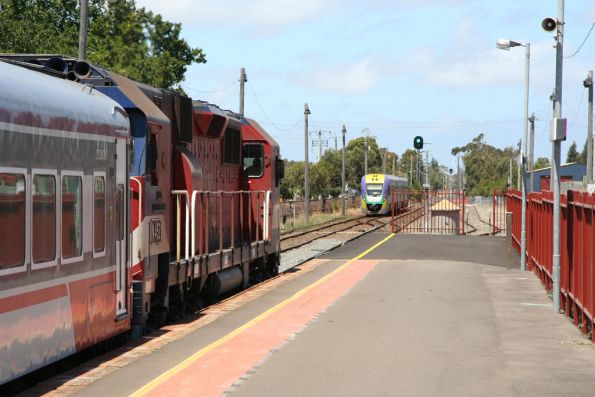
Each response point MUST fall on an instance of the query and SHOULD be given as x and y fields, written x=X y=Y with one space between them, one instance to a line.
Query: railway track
x=359 y=226
x=296 y=240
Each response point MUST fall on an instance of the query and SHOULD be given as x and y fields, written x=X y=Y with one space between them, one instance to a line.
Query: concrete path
x=414 y=316
x=433 y=328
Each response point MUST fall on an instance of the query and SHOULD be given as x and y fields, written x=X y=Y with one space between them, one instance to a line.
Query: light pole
x=504 y=44
x=84 y=19
x=556 y=152
x=306 y=167
x=343 y=204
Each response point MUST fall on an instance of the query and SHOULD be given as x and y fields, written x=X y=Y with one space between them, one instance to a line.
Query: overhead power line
x=583 y=43
x=266 y=115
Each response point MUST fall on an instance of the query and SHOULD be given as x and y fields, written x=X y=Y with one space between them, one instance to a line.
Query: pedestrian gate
x=428 y=212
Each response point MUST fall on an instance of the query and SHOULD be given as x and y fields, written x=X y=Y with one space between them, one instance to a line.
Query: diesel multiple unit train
x=376 y=193
x=120 y=203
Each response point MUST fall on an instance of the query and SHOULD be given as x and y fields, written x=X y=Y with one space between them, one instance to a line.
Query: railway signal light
x=418 y=142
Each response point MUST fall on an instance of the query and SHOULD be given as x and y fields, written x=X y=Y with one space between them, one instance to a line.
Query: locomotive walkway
x=383 y=315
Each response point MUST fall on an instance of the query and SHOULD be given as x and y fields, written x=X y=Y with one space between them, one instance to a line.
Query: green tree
x=572 y=155
x=292 y=185
x=122 y=38
x=582 y=157
x=541 y=162
x=486 y=167
x=355 y=160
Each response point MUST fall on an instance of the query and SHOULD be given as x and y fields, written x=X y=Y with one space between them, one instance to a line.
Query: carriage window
x=120 y=212
x=72 y=216
x=253 y=155
x=99 y=215
x=44 y=218
x=12 y=212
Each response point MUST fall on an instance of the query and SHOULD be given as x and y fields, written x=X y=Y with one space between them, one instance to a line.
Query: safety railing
x=577 y=256
x=219 y=220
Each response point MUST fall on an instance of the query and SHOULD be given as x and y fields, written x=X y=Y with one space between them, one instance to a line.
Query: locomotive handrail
x=267 y=204
x=140 y=212
x=190 y=221
x=178 y=194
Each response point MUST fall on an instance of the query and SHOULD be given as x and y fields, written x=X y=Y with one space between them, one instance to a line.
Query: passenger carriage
x=376 y=193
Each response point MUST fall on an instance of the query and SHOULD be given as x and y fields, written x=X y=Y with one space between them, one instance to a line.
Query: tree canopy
x=572 y=155
x=486 y=167
x=133 y=42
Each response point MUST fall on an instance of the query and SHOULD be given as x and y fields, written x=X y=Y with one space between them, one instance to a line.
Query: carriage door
x=120 y=229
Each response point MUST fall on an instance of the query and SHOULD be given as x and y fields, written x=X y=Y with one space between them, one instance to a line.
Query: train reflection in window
x=72 y=216
x=99 y=215
x=44 y=218
x=12 y=220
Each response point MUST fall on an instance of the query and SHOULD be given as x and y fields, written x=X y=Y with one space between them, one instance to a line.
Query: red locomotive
x=120 y=204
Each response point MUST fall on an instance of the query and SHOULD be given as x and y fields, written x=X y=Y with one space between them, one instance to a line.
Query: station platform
x=383 y=315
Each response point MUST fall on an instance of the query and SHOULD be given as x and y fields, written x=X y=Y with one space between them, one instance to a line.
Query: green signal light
x=418 y=142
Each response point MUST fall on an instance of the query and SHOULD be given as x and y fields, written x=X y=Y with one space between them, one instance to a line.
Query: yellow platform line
x=187 y=362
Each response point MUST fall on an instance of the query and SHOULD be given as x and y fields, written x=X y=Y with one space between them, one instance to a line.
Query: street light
x=366 y=132
x=505 y=44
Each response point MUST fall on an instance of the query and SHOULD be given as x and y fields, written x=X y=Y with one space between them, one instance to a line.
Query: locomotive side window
x=44 y=218
x=99 y=215
x=72 y=216
x=253 y=155
x=232 y=146
x=12 y=212
x=152 y=158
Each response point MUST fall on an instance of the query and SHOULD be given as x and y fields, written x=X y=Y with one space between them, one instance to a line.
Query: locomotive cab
x=262 y=172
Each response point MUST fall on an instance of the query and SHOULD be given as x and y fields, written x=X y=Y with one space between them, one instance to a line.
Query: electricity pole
x=243 y=79
x=366 y=156
x=319 y=144
x=556 y=149
x=589 y=84
x=384 y=161
x=394 y=163
x=306 y=166
x=344 y=209
x=83 y=29
x=411 y=169
x=458 y=174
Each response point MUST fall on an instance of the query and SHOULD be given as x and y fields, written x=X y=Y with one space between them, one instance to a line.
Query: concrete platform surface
x=401 y=315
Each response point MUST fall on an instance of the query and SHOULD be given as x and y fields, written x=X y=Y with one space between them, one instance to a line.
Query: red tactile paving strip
x=76 y=380
x=217 y=367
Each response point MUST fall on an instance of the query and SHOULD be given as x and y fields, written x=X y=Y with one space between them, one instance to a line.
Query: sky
x=393 y=69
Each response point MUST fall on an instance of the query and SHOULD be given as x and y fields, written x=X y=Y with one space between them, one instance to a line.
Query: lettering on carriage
x=155 y=231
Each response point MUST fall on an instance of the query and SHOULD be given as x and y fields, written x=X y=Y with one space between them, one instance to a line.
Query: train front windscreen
x=374 y=189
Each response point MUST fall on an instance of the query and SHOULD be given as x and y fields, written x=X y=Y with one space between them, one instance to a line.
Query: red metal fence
x=429 y=212
x=577 y=261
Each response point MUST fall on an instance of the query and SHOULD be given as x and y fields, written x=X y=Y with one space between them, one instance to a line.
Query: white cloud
x=345 y=79
x=260 y=16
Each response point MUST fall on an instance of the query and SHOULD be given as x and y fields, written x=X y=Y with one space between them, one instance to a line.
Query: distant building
x=568 y=172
